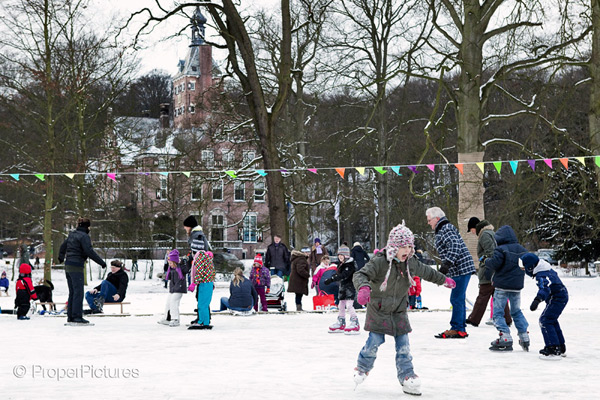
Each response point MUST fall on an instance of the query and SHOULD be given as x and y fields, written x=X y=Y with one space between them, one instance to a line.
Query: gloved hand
x=534 y=305
x=268 y=290
x=445 y=267
x=192 y=287
x=328 y=281
x=450 y=284
x=364 y=295
x=482 y=258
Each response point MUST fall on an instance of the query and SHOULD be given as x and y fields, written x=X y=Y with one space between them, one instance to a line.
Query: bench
x=63 y=303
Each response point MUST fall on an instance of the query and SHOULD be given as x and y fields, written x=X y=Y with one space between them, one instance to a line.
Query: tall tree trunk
x=594 y=68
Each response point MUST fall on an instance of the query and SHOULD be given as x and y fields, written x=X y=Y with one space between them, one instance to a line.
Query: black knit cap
x=190 y=222
x=473 y=221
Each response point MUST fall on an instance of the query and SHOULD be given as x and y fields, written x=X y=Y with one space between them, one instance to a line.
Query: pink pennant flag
x=431 y=167
x=112 y=176
x=313 y=170
x=548 y=162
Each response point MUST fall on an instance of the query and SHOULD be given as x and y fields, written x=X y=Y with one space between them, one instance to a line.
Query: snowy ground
x=285 y=356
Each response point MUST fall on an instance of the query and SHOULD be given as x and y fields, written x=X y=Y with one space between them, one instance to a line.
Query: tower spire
x=198 y=30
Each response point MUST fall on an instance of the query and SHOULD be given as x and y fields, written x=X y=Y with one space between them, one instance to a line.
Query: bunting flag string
x=341 y=171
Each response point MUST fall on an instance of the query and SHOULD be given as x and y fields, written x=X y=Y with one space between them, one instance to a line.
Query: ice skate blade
x=550 y=358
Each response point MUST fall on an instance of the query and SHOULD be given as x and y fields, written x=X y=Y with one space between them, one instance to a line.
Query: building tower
x=194 y=79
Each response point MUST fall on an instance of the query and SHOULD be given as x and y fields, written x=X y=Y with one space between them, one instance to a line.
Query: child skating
x=346 y=295
x=554 y=293
x=383 y=284
x=260 y=276
x=25 y=292
x=176 y=276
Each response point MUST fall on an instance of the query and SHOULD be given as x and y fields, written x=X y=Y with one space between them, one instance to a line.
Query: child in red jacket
x=260 y=276
x=25 y=291
x=413 y=292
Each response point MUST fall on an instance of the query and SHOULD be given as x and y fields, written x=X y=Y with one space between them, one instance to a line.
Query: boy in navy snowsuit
x=554 y=293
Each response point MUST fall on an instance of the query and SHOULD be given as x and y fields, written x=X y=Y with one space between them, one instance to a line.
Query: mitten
x=449 y=283
x=445 y=267
x=534 y=305
x=192 y=287
x=364 y=295
x=482 y=258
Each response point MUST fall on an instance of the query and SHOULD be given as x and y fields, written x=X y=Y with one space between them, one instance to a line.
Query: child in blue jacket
x=554 y=293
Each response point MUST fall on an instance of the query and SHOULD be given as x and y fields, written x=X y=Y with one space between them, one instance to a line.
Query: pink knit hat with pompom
x=400 y=236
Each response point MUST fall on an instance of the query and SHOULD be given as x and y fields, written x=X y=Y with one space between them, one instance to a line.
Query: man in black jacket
x=76 y=249
x=277 y=258
x=110 y=290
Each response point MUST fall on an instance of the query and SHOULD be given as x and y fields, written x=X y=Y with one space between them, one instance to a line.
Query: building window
x=228 y=158
x=217 y=191
x=192 y=110
x=208 y=158
x=196 y=188
x=259 y=190
x=248 y=156
x=250 y=234
x=217 y=228
x=192 y=85
x=239 y=189
x=161 y=193
x=162 y=163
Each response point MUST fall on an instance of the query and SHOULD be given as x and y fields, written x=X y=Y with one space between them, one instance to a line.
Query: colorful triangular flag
x=231 y=174
x=361 y=170
x=40 y=177
x=70 y=176
x=381 y=170
x=581 y=160
x=396 y=169
x=413 y=169
x=112 y=176
x=514 y=165
x=548 y=162
x=498 y=165
x=564 y=162
x=531 y=164
x=431 y=167
x=341 y=171
x=460 y=167
x=313 y=170
x=15 y=176
x=164 y=173
x=186 y=174
x=261 y=172
x=597 y=158
x=481 y=166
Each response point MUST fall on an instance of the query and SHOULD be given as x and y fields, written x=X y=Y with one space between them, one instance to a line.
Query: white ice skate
x=412 y=385
x=338 y=326
x=353 y=328
x=359 y=377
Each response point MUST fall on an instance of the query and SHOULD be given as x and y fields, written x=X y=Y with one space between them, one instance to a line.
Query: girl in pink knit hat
x=383 y=285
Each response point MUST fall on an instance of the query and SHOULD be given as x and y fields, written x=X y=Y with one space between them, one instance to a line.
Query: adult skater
x=77 y=248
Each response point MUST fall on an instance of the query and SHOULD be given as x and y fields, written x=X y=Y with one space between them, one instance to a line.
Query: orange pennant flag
x=565 y=162
x=341 y=171
x=460 y=167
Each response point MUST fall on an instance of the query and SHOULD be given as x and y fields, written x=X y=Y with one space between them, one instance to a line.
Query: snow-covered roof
x=142 y=136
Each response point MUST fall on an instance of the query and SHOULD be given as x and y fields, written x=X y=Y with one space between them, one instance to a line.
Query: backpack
x=203 y=267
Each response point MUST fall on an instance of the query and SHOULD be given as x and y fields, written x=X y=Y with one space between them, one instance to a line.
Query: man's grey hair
x=435 y=212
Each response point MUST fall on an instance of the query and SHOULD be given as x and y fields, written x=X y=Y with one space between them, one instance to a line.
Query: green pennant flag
x=231 y=174
x=381 y=170
x=498 y=165
x=597 y=161
x=40 y=177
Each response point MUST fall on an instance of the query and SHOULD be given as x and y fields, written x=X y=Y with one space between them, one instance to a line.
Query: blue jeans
x=107 y=290
x=368 y=354
x=514 y=299
x=278 y=272
x=457 y=300
x=225 y=305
